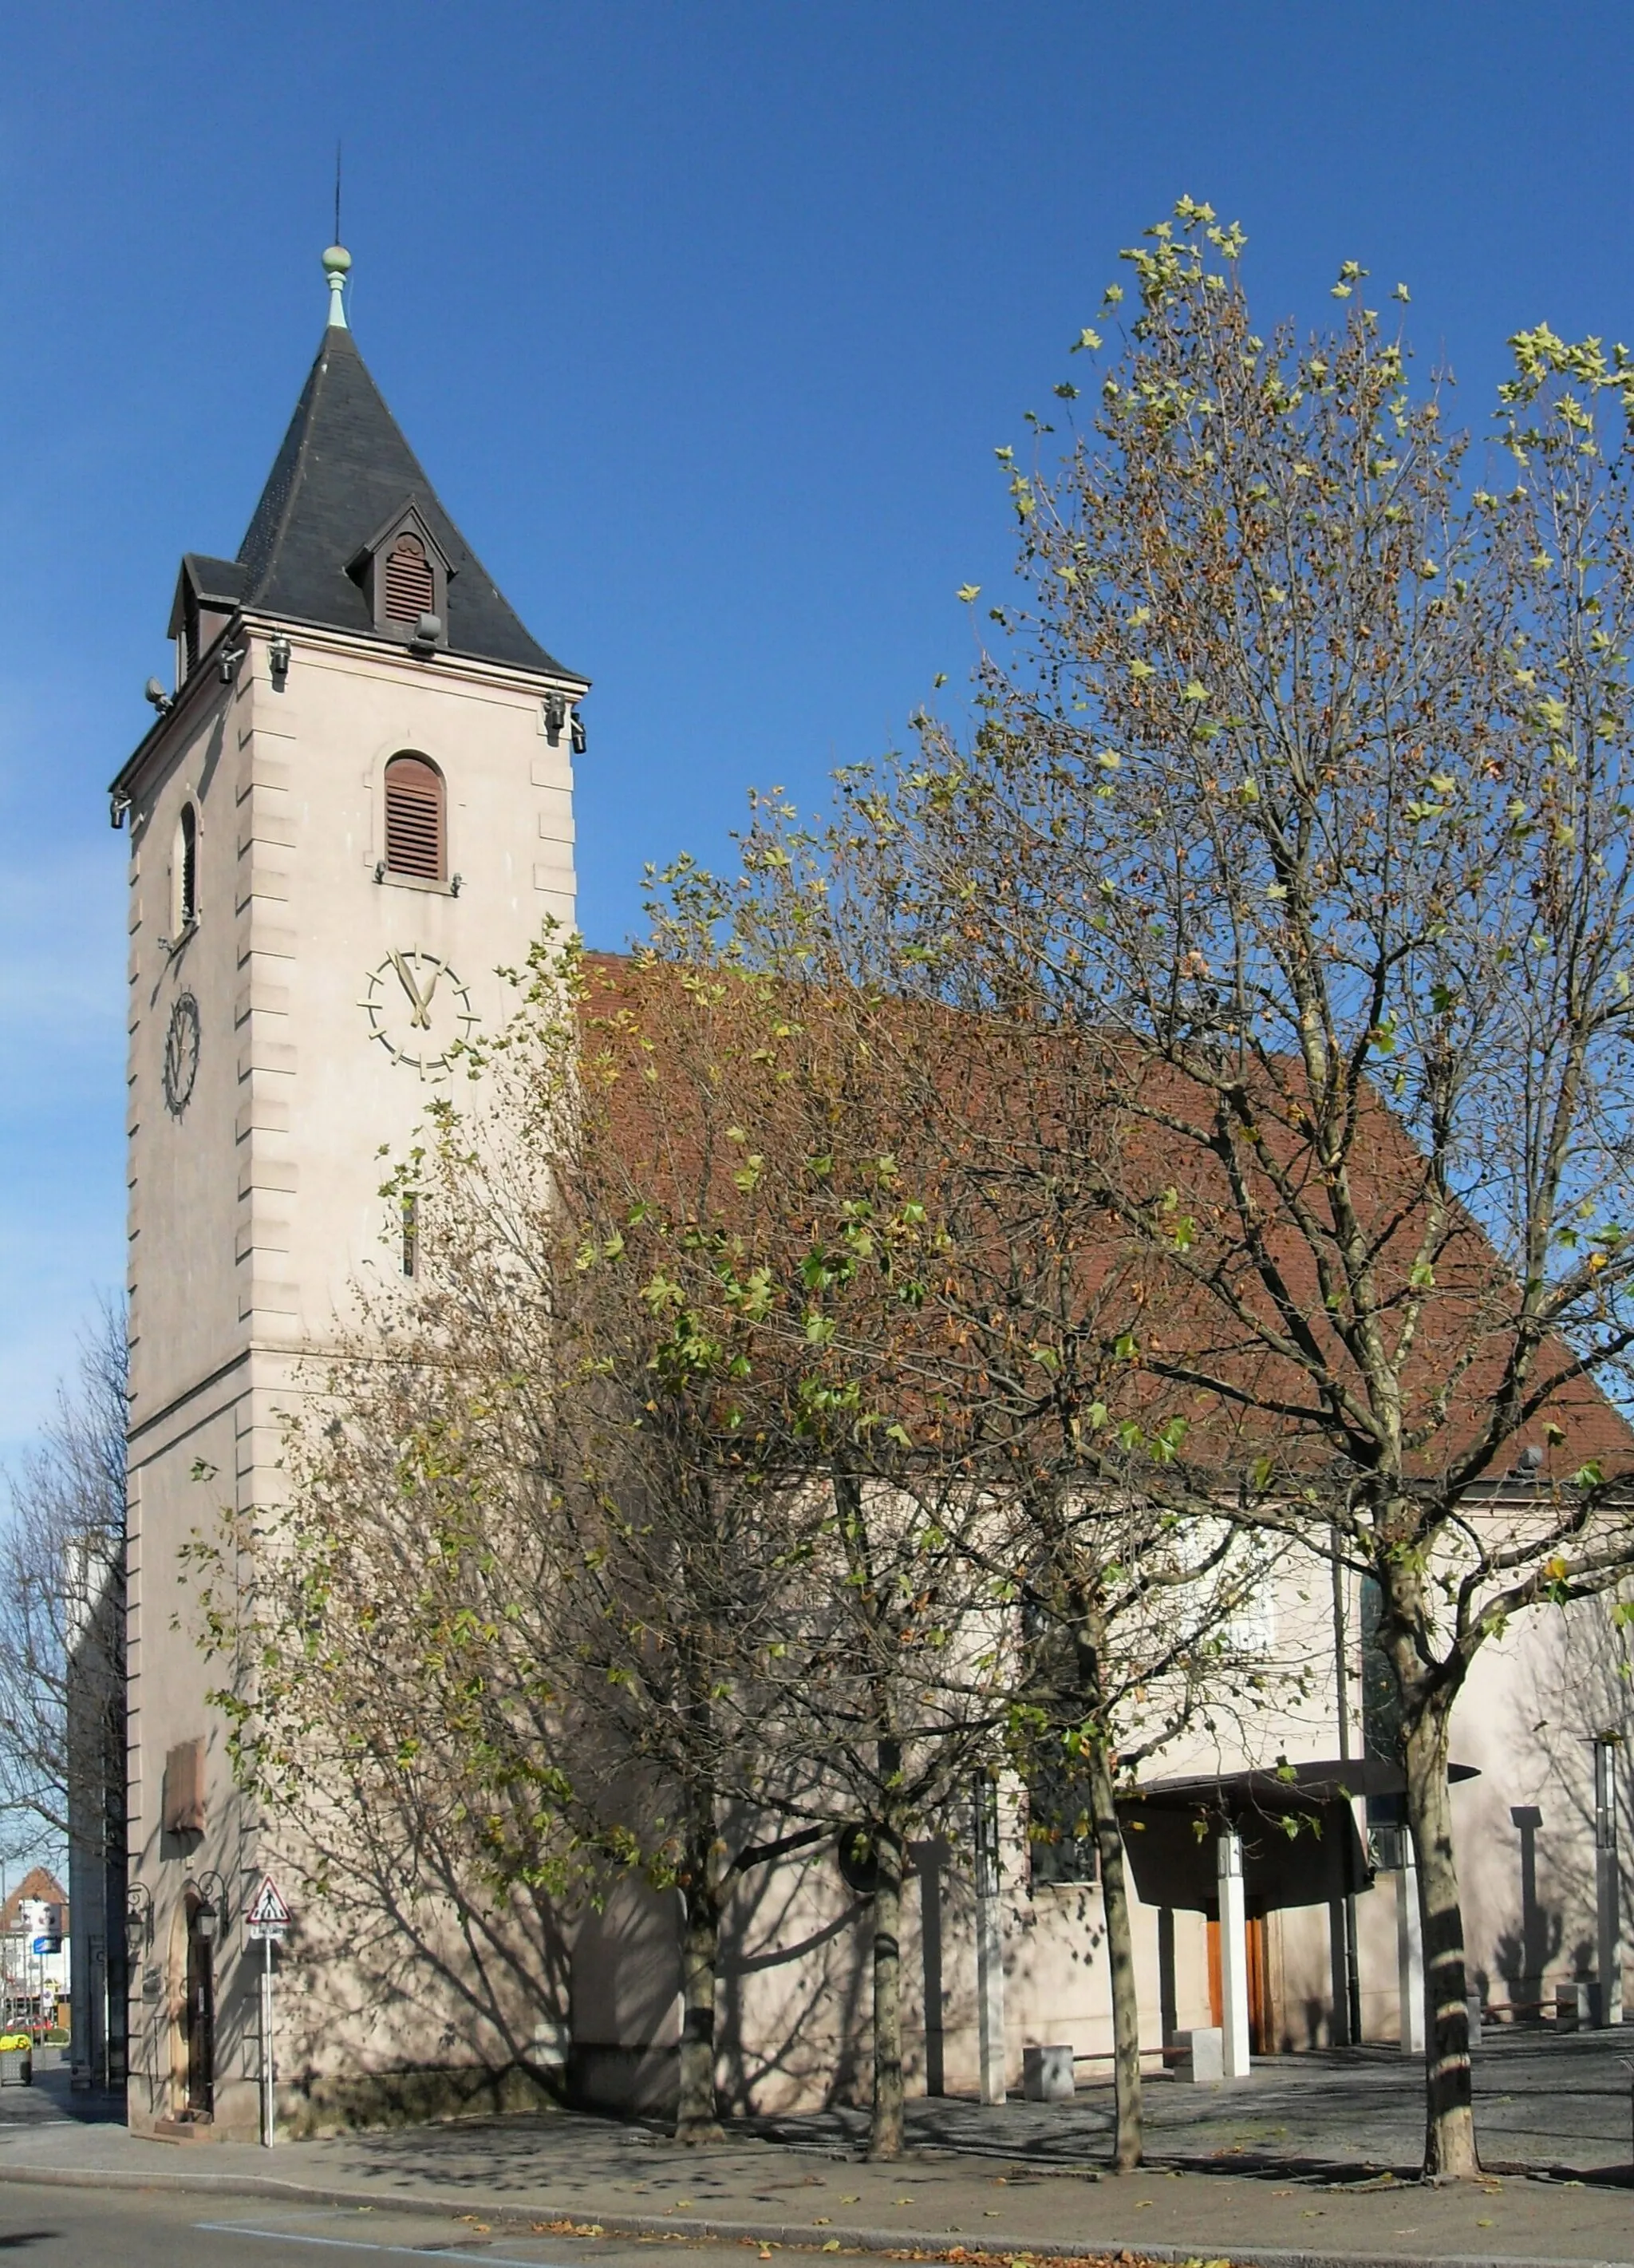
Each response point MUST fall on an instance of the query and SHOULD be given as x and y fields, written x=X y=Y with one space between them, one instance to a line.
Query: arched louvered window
x=410 y=586
x=188 y=869
x=414 y=835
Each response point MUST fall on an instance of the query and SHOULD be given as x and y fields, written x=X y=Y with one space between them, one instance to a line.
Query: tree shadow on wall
x=1521 y=1955
x=1579 y=1688
x=447 y=2001
x=794 y=2004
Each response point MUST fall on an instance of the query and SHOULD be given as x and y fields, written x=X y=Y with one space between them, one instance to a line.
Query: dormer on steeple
x=208 y=594
x=402 y=571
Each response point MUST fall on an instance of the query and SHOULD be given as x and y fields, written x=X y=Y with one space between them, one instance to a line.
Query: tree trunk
x=886 y=2140
x=696 y=2120
x=1449 y=2113
x=1128 y=2141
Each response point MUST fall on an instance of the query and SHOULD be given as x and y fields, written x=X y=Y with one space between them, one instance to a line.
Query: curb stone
x=791 y=2236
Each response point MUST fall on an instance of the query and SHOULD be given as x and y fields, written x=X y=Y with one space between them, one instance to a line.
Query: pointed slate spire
x=343 y=471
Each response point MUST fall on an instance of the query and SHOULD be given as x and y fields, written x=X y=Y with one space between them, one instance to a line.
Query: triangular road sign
x=267 y=1909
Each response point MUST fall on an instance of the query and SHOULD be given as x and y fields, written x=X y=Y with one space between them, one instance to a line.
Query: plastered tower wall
x=254 y=1169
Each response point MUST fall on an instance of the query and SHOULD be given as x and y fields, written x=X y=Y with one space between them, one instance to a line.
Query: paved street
x=81 y=2228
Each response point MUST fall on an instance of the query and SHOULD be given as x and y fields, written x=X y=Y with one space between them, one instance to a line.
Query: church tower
x=355 y=805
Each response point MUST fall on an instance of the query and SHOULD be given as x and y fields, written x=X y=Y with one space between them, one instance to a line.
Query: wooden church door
x=1262 y=2013
x=201 y=2024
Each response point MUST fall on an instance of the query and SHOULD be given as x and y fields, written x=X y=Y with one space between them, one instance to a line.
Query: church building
x=352 y=811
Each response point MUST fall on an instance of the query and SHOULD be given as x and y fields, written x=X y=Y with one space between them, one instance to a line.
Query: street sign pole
x=267 y=2129
x=989 y=1946
x=267 y=1918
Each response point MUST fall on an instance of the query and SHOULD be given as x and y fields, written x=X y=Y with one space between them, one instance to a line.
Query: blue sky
x=706 y=316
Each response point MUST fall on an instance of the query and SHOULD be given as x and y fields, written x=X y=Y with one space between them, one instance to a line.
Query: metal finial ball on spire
x=336 y=262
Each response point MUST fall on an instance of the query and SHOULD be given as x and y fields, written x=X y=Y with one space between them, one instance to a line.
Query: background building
x=36 y=1964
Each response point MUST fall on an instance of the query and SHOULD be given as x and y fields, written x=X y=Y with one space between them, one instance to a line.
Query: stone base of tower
x=334 y=2104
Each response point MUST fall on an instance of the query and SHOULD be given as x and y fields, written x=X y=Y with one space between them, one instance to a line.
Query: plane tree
x=1294 y=802
x=1130 y=1606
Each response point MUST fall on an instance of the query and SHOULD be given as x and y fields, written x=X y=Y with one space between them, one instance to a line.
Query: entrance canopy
x=1298 y=1828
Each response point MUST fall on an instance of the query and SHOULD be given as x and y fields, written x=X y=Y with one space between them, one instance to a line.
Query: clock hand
x=418 y=1004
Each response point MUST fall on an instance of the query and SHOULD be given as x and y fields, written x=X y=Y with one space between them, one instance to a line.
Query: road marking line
x=357 y=2244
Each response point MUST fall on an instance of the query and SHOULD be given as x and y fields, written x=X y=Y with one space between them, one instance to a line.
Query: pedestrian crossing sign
x=268 y=1916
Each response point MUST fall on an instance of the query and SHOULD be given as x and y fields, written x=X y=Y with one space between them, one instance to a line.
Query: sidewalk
x=1021 y=2183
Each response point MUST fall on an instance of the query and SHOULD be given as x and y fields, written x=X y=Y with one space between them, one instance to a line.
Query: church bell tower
x=353 y=807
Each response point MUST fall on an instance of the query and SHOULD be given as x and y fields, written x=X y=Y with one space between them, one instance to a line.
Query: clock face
x=181 y=1054
x=418 y=1010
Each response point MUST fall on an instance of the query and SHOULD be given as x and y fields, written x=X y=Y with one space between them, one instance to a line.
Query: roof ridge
x=257 y=558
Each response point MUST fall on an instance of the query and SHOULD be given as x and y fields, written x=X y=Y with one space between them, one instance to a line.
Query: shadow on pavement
x=52 y=2097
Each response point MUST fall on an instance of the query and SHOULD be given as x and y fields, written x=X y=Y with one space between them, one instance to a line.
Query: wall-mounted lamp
x=154 y=691
x=278 y=659
x=210 y=1913
x=580 y=741
x=427 y=636
x=117 y=806
x=139 y=1912
x=231 y=657
x=555 y=717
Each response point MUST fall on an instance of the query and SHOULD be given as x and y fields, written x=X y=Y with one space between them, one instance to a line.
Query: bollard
x=1047 y=2073
x=1573 y=2009
x=1203 y=2060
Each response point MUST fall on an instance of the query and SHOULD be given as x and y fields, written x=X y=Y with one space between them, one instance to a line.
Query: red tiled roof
x=1004 y=1092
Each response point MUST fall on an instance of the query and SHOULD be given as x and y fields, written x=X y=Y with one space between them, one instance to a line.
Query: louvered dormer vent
x=410 y=586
